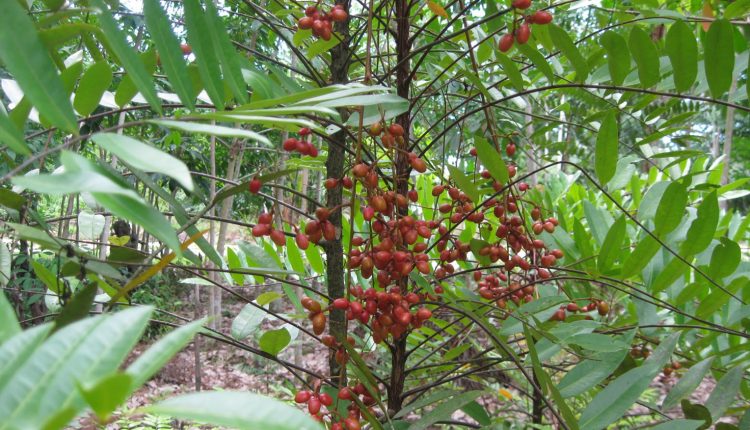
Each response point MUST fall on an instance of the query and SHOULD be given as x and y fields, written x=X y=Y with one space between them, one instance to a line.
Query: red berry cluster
x=265 y=228
x=320 y=22
x=303 y=145
x=522 y=32
x=601 y=307
x=316 y=400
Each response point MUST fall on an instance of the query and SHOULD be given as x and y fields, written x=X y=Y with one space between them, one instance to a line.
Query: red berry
x=255 y=185
x=313 y=406
x=540 y=17
x=522 y=34
x=304 y=131
x=305 y=23
x=325 y=399
x=302 y=397
x=521 y=4
x=338 y=14
x=506 y=42
x=396 y=129
x=341 y=303
x=302 y=240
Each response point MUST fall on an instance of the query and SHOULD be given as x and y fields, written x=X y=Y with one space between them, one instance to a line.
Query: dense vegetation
x=487 y=215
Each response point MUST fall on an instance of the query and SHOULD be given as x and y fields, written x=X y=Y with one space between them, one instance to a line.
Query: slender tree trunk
x=340 y=58
x=401 y=182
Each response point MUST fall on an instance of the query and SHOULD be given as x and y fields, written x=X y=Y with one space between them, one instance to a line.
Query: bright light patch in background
x=133 y=5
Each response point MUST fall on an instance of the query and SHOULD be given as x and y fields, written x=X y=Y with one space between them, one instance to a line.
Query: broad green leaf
x=607 y=144
x=127 y=89
x=682 y=50
x=464 y=183
x=274 y=341
x=26 y=58
x=17 y=349
x=619 y=395
x=137 y=211
x=618 y=58
x=444 y=410
x=107 y=394
x=320 y=46
x=92 y=86
x=718 y=53
x=703 y=228
x=565 y=44
x=198 y=34
x=736 y=9
x=597 y=342
x=645 y=55
x=128 y=57
x=491 y=159
x=213 y=130
x=586 y=374
x=671 y=208
x=247 y=321
x=9 y=325
x=240 y=410
x=511 y=71
x=228 y=56
x=11 y=199
x=12 y=136
x=611 y=249
x=268 y=297
x=87 y=350
x=159 y=354
x=144 y=157
x=678 y=425
x=541 y=63
x=725 y=258
x=37 y=236
x=687 y=383
x=170 y=54
x=696 y=411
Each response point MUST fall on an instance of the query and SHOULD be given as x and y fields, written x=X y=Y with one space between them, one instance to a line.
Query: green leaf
x=725 y=258
x=697 y=412
x=491 y=159
x=718 y=53
x=618 y=59
x=444 y=410
x=671 y=208
x=231 y=409
x=511 y=71
x=12 y=136
x=78 y=307
x=127 y=88
x=170 y=54
x=9 y=325
x=86 y=350
x=92 y=86
x=725 y=391
x=5 y=272
x=144 y=157
x=247 y=321
x=320 y=46
x=645 y=55
x=11 y=199
x=678 y=425
x=703 y=228
x=17 y=349
x=682 y=50
x=464 y=183
x=541 y=63
x=213 y=130
x=159 y=354
x=565 y=44
x=228 y=57
x=587 y=373
x=607 y=144
x=611 y=249
x=736 y=8
x=597 y=342
x=274 y=341
x=107 y=394
x=24 y=55
x=687 y=383
x=619 y=395
x=128 y=57
x=205 y=53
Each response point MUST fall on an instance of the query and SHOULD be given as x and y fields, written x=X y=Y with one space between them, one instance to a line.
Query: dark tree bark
x=340 y=59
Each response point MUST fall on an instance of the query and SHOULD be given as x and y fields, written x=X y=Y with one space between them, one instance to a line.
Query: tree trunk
x=340 y=58
x=401 y=186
